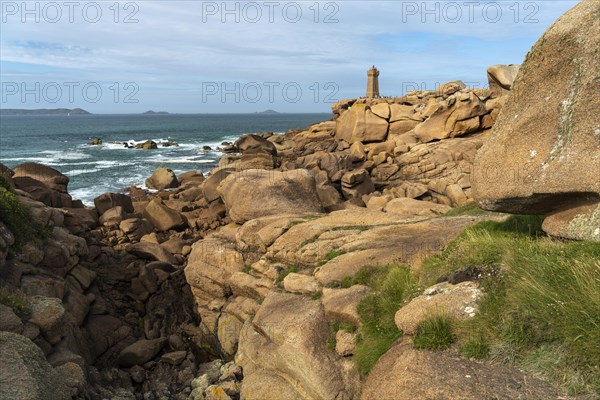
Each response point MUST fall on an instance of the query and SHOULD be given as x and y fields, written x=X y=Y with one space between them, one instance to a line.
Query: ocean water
x=61 y=142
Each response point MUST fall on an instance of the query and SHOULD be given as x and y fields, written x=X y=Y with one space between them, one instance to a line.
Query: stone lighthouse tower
x=373 y=82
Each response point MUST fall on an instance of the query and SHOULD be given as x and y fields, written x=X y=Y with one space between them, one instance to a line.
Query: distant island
x=150 y=112
x=44 y=111
x=268 y=112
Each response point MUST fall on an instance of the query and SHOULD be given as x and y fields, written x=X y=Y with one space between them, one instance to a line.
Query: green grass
x=4 y=183
x=469 y=209
x=285 y=272
x=330 y=256
x=16 y=300
x=361 y=228
x=309 y=241
x=392 y=286
x=481 y=245
x=541 y=310
x=15 y=216
x=247 y=268
x=334 y=327
x=476 y=347
x=435 y=333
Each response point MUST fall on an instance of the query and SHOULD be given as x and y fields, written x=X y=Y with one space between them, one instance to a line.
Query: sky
x=246 y=56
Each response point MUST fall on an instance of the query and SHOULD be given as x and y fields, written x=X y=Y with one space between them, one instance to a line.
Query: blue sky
x=291 y=56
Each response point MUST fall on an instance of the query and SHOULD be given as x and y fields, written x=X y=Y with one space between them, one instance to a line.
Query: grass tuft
x=15 y=216
x=16 y=300
x=541 y=310
x=285 y=272
x=435 y=333
x=392 y=286
x=336 y=326
x=476 y=347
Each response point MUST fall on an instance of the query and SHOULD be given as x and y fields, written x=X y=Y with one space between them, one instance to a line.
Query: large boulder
x=213 y=181
x=361 y=124
x=543 y=156
x=501 y=78
x=406 y=373
x=254 y=144
x=140 y=352
x=357 y=183
x=162 y=178
x=24 y=372
x=163 y=217
x=151 y=251
x=283 y=350
x=257 y=193
x=52 y=179
x=43 y=184
x=458 y=301
x=106 y=201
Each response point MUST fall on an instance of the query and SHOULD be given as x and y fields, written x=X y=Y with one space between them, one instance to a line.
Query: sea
x=62 y=142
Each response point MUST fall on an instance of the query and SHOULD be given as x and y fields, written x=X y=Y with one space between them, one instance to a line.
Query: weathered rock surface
x=151 y=251
x=25 y=373
x=285 y=346
x=162 y=217
x=456 y=301
x=106 y=201
x=257 y=193
x=254 y=144
x=414 y=374
x=162 y=178
x=501 y=78
x=140 y=352
x=43 y=184
x=543 y=156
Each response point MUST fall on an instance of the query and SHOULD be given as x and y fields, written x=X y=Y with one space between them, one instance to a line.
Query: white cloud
x=171 y=50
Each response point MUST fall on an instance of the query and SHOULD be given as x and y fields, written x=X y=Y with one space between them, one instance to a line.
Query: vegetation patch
x=541 y=311
x=247 y=268
x=336 y=326
x=351 y=228
x=16 y=300
x=285 y=272
x=4 y=183
x=435 y=333
x=15 y=216
x=392 y=286
x=330 y=256
x=309 y=241
x=476 y=347
x=469 y=209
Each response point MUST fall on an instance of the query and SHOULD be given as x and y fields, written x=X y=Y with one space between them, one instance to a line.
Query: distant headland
x=267 y=112
x=150 y=112
x=44 y=111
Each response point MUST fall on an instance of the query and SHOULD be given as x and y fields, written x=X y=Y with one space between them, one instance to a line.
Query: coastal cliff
x=347 y=260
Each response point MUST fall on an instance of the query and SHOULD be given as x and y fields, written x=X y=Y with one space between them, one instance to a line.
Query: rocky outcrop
x=458 y=301
x=501 y=78
x=162 y=178
x=106 y=201
x=257 y=193
x=283 y=351
x=43 y=184
x=254 y=144
x=415 y=374
x=543 y=156
x=25 y=373
x=449 y=111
